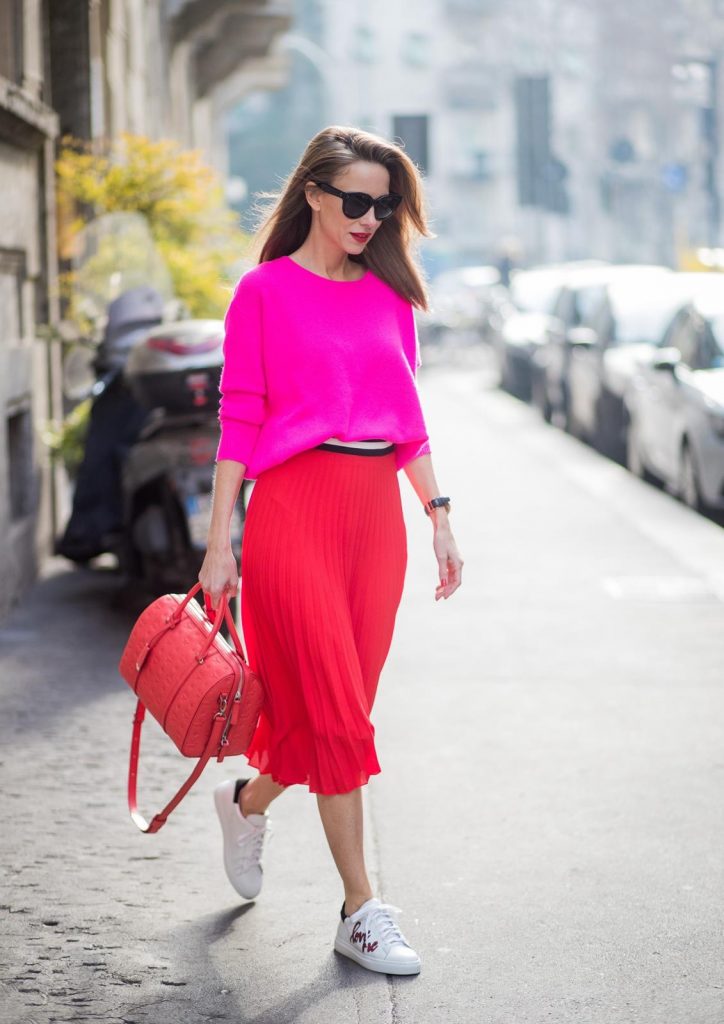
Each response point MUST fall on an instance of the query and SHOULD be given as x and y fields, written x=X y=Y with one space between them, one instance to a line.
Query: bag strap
x=219 y=722
x=159 y=820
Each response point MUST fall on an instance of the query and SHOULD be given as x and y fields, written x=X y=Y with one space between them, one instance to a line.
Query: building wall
x=611 y=73
x=93 y=69
x=27 y=281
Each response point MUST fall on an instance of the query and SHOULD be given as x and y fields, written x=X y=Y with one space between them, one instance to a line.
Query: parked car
x=675 y=404
x=462 y=300
x=621 y=330
x=525 y=320
x=575 y=303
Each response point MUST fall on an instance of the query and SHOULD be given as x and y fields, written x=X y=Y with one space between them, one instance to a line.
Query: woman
x=319 y=406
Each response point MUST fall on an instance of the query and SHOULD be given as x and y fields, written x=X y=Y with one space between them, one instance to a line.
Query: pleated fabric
x=323 y=561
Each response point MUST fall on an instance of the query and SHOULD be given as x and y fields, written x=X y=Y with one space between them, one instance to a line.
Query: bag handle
x=215 y=618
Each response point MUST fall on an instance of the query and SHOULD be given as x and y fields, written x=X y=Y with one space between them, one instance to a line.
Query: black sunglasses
x=356 y=204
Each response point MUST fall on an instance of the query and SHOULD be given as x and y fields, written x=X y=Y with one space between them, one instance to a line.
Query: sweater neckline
x=328 y=280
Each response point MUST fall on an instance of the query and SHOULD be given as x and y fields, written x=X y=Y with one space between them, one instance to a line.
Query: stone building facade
x=91 y=68
x=28 y=272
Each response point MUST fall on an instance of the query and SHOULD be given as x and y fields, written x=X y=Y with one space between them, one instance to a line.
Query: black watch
x=439 y=502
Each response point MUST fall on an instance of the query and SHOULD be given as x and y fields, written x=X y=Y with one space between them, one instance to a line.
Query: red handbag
x=199 y=689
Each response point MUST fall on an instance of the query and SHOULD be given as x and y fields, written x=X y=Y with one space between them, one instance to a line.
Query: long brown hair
x=285 y=223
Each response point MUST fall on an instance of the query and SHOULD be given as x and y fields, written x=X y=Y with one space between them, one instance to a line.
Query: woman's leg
x=375 y=941
x=258 y=793
x=342 y=818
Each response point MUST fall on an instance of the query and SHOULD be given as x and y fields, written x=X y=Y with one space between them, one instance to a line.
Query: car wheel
x=572 y=424
x=688 y=481
x=503 y=372
x=635 y=461
x=602 y=439
x=539 y=397
x=569 y=422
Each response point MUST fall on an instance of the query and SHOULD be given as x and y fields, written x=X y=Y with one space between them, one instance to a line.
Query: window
x=364 y=47
x=603 y=323
x=11 y=40
x=711 y=355
x=12 y=276
x=716 y=342
x=683 y=335
x=588 y=300
x=415 y=49
x=565 y=307
x=20 y=464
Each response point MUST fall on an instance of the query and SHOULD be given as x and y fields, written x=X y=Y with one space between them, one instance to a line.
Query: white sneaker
x=243 y=839
x=371 y=937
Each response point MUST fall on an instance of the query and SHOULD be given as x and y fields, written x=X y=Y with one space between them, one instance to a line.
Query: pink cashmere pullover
x=307 y=358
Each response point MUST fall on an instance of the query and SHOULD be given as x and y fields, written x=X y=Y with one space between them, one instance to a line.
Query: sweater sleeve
x=411 y=340
x=407 y=451
x=242 y=385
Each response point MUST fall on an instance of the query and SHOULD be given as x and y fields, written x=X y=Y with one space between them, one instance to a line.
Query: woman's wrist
x=439 y=517
x=218 y=542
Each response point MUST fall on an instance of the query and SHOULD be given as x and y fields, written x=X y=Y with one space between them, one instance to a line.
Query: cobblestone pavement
x=549 y=813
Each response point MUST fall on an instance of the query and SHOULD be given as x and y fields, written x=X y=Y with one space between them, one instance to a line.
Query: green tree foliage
x=194 y=232
x=180 y=197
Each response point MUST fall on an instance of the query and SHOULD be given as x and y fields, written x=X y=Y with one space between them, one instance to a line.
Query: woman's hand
x=449 y=562
x=219 y=574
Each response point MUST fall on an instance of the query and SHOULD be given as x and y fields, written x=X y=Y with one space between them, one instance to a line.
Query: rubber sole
x=380 y=966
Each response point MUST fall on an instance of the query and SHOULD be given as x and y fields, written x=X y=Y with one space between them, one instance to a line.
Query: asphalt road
x=549 y=814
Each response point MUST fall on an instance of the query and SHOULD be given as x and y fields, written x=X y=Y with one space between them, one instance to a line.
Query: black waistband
x=328 y=446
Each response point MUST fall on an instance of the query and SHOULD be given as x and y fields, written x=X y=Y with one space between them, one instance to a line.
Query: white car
x=675 y=404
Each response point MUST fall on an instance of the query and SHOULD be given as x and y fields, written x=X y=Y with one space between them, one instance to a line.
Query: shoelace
x=251 y=854
x=378 y=920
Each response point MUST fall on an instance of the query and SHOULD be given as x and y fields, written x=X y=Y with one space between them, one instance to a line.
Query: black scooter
x=116 y=418
x=168 y=474
x=143 y=492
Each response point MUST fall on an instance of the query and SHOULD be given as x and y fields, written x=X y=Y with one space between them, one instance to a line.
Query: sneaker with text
x=373 y=939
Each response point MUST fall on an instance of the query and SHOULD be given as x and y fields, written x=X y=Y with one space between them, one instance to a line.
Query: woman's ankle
x=256 y=794
x=246 y=800
x=353 y=902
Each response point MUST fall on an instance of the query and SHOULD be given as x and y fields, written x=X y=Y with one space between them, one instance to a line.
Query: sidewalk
x=549 y=813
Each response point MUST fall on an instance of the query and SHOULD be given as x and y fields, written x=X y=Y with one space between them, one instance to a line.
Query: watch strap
x=438 y=502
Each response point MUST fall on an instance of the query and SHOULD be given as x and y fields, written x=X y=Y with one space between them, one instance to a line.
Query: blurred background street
x=549 y=814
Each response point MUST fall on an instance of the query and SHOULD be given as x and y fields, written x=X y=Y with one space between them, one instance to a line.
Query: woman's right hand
x=219 y=574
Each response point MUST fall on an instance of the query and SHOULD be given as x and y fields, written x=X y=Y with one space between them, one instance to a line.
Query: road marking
x=660 y=588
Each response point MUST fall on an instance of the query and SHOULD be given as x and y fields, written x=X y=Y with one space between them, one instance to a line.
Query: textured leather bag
x=199 y=689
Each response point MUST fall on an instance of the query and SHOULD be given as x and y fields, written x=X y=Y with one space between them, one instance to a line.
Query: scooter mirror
x=79 y=374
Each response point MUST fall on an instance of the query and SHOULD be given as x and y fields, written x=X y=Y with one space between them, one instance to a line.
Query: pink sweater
x=306 y=359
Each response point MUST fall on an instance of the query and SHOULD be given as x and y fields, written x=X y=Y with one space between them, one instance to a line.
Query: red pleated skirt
x=323 y=561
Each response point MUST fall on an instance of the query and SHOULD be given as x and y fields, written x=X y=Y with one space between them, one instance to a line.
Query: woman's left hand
x=449 y=562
